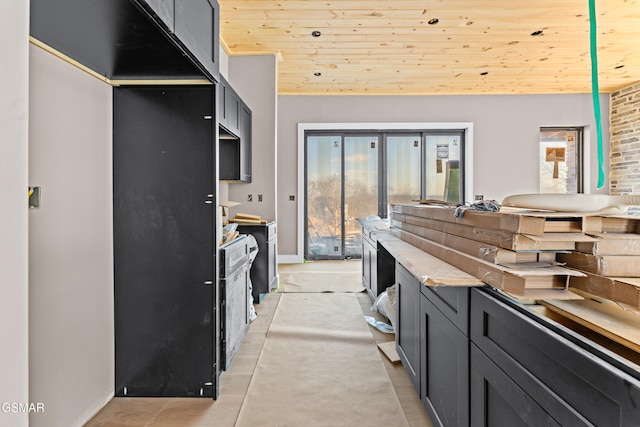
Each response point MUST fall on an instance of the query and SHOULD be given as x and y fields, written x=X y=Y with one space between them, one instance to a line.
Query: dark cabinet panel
x=197 y=28
x=165 y=286
x=264 y=270
x=444 y=369
x=562 y=377
x=114 y=38
x=408 y=323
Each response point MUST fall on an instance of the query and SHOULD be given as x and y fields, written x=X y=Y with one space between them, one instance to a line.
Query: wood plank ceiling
x=437 y=46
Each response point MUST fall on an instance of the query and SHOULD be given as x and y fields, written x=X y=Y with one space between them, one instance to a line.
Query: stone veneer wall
x=624 y=128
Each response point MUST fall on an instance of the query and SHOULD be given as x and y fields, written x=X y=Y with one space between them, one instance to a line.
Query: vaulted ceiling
x=437 y=46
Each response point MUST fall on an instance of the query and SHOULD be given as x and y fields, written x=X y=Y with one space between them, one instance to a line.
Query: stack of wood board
x=242 y=218
x=512 y=251
x=611 y=262
x=602 y=316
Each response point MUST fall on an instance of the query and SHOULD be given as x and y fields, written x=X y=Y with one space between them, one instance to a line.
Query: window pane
x=559 y=161
x=403 y=169
x=443 y=168
x=360 y=188
x=324 y=196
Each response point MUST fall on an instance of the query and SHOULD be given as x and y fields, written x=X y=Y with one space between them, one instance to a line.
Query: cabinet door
x=408 y=323
x=234 y=293
x=498 y=401
x=245 y=143
x=197 y=28
x=165 y=275
x=232 y=111
x=444 y=369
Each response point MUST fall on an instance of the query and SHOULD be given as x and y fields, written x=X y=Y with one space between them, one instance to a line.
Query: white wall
x=71 y=360
x=254 y=78
x=14 y=140
x=506 y=137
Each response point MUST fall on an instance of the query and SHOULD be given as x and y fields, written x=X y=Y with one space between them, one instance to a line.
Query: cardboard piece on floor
x=389 y=350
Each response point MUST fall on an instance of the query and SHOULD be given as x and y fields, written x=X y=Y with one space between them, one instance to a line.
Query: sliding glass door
x=342 y=185
x=351 y=175
x=403 y=168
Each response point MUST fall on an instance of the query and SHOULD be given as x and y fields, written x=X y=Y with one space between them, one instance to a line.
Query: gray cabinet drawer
x=233 y=255
x=570 y=383
x=452 y=301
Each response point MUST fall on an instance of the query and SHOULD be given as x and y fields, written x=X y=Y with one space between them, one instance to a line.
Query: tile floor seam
x=264 y=340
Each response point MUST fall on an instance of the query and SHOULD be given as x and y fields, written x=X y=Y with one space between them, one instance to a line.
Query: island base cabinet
x=408 y=323
x=543 y=372
x=368 y=266
x=444 y=370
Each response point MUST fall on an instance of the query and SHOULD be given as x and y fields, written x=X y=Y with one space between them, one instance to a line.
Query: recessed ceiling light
x=433 y=21
x=317 y=74
x=537 y=33
x=316 y=33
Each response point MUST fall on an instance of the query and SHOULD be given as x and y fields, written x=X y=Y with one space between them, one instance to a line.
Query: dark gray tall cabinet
x=166 y=292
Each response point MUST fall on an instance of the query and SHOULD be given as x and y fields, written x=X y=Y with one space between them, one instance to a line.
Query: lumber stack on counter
x=574 y=265
x=512 y=251
x=611 y=262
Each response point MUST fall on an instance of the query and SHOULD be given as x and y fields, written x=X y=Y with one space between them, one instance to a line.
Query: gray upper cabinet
x=196 y=27
x=235 y=122
x=133 y=39
x=229 y=105
x=117 y=39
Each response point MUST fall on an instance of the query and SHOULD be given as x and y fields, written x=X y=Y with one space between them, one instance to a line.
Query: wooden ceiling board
x=476 y=47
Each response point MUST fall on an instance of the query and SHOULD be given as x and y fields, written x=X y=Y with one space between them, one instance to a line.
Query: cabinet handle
x=208 y=201
x=208 y=282
x=208 y=117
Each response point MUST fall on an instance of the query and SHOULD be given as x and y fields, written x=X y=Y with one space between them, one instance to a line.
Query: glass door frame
x=342 y=135
x=297 y=255
x=382 y=196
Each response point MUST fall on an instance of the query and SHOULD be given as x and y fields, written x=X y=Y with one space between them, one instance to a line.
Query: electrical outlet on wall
x=478 y=197
x=250 y=198
x=259 y=197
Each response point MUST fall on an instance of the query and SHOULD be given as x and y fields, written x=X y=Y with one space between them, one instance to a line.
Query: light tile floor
x=189 y=412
